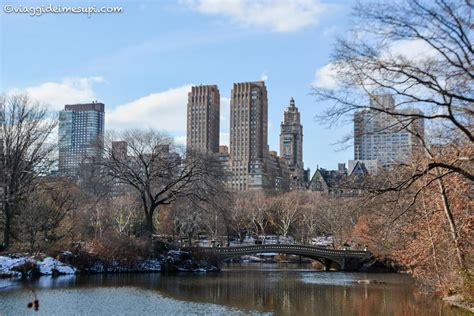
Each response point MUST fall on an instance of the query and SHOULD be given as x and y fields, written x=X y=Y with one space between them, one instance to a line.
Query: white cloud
x=413 y=50
x=264 y=76
x=68 y=91
x=326 y=77
x=275 y=15
x=164 y=110
x=161 y=110
x=180 y=140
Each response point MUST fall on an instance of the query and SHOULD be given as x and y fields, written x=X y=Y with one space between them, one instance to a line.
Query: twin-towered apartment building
x=249 y=162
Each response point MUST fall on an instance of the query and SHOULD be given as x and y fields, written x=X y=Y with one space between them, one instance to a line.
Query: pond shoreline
x=21 y=266
x=243 y=288
x=173 y=262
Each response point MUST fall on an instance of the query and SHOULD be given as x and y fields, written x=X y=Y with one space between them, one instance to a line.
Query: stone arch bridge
x=345 y=260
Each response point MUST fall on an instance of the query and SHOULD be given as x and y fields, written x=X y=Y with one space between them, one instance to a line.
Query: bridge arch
x=326 y=262
x=323 y=255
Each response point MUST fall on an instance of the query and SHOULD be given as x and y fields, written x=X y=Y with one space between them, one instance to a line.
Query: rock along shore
x=25 y=266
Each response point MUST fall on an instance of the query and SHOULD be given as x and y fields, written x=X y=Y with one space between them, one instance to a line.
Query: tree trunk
x=433 y=246
x=32 y=242
x=6 y=232
x=149 y=209
x=190 y=239
x=452 y=225
x=149 y=222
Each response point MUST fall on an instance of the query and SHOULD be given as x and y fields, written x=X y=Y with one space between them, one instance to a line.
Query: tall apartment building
x=119 y=150
x=249 y=137
x=379 y=136
x=291 y=145
x=203 y=118
x=81 y=135
x=223 y=157
x=278 y=172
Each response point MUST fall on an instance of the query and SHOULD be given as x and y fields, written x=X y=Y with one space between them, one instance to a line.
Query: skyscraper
x=383 y=137
x=291 y=145
x=81 y=135
x=248 y=137
x=203 y=118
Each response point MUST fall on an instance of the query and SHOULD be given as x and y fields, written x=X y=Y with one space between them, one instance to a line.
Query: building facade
x=223 y=159
x=291 y=145
x=203 y=119
x=119 y=150
x=373 y=166
x=81 y=136
x=248 y=137
x=328 y=181
x=385 y=138
x=279 y=173
x=339 y=182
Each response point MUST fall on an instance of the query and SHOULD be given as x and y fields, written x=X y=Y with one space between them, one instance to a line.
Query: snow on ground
x=8 y=265
x=152 y=265
x=48 y=265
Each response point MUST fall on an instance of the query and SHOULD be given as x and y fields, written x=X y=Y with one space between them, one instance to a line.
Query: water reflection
x=56 y=282
x=242 y=289
x=305 y=293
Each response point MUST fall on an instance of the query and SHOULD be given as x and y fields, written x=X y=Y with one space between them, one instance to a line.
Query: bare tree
x=240 y=216
x=286 y=210
x=334 y=216
x=159 y=174
x=308 y=222
x=124 y=213
x=28 y=152
x=259 y=205
x=187 y=220
x=214 y=221
x=43 y=214
x=439 y=81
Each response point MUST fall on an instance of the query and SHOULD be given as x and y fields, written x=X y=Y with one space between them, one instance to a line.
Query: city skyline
x=143 y=71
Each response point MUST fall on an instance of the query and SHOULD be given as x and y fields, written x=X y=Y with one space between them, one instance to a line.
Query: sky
x=142 y=61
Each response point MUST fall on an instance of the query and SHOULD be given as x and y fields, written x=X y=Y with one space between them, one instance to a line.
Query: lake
x=272 y=289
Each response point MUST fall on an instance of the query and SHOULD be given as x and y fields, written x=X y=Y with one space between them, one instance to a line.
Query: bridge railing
x=303 y=249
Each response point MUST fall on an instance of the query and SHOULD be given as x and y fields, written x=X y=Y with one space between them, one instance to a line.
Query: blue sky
x=141 y=62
